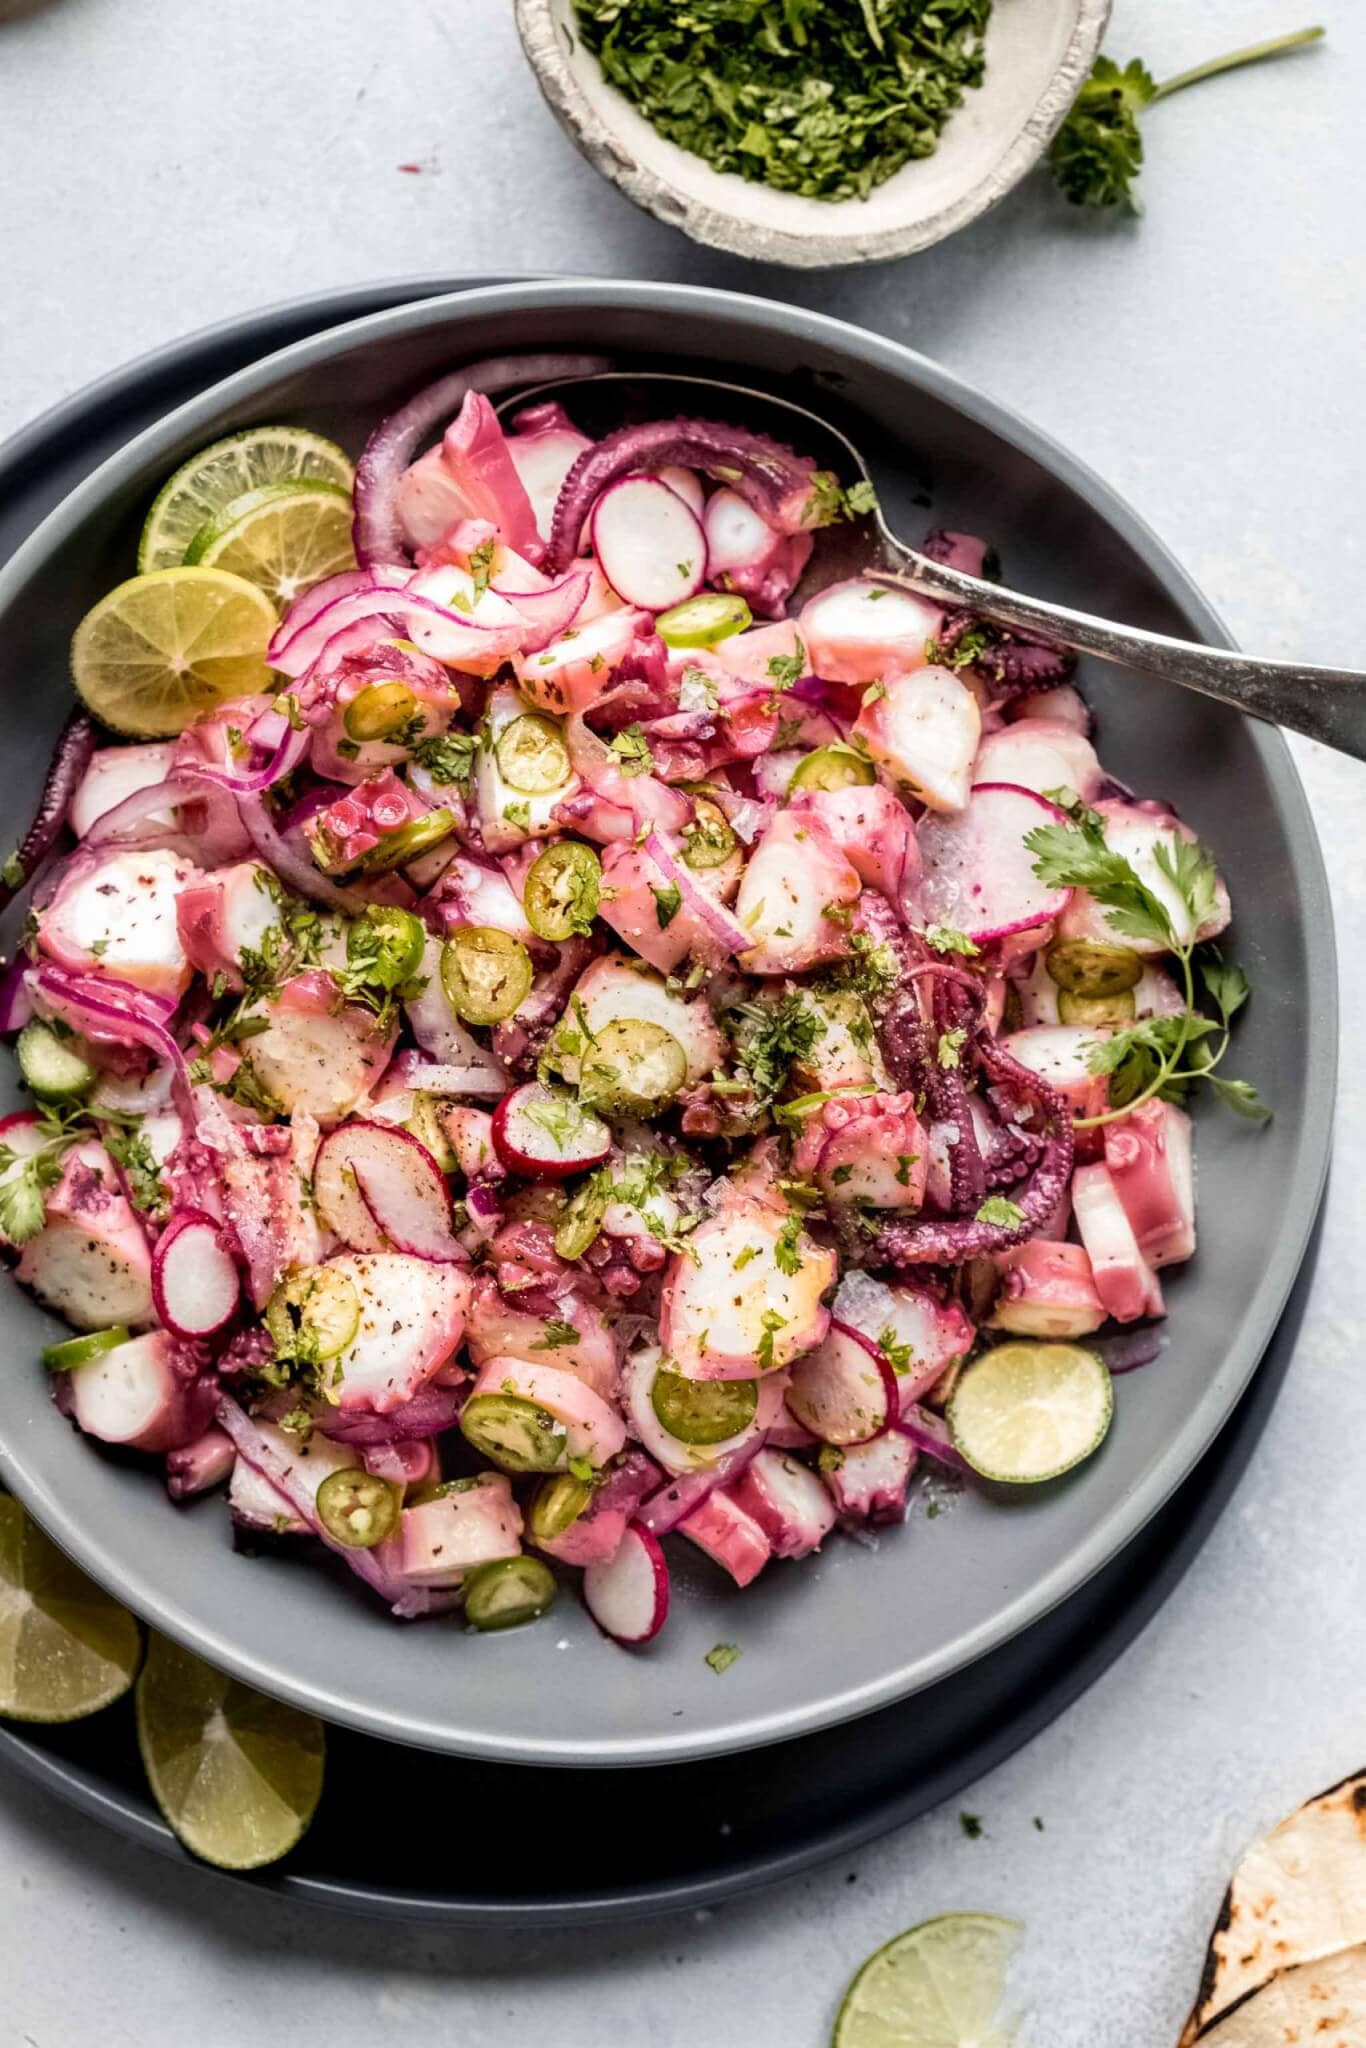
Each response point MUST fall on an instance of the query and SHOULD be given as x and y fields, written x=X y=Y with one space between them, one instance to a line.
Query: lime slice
x=1025 y=1412
x=203 y=488
x=237 y=1775
x=66 y=1648
x=161 y=648
x=937 y=1986
x=284 y=538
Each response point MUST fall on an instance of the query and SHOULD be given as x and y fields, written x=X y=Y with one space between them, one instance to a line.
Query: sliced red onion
x=16 y=1004
x=548 y=612
x=929 y=1434
x=396 y=614
x=286 y=757
x=66 y=772
x=113 y=1013
x=180 y=815
x=283 y=1473
x=1129 y=1349
x=378 y=531
x=709 y=910
x=303 y=611
x=431 y=1410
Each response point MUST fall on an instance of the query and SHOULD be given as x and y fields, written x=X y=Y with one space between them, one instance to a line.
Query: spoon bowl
x=1327 y=704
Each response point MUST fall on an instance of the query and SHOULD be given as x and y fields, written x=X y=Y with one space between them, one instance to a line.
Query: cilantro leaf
x=1077 y=857
x=1000 y=1210
x=668 y=902
x=448 y=757
x=632 y=751
x=786 y=1256
x=942 y=938
x=775 y=1035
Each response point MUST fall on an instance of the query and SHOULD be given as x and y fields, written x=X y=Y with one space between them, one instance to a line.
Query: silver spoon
x=1327 y=704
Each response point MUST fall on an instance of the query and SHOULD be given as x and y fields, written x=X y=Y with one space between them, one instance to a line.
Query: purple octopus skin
x=950 y=1241
x=779 y=484
x=70 y=759
x=1011 y=665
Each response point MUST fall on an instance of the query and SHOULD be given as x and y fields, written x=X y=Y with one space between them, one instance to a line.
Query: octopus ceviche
x=541 y=1040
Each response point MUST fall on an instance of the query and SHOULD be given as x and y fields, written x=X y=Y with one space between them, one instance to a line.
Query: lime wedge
x=237 y=1775
x=284 y=538
x=1027 y=1412
x=937 y=1986
x=206 y=485
x=161 y=648
x=66 y=1648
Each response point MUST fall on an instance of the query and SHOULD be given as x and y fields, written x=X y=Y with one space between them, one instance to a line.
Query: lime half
x=66 y=1648
x=203 y=488
x=237 y=1775
x=162 y=648
x=284 y=538
x=1027 y=1412
x=937 y=1986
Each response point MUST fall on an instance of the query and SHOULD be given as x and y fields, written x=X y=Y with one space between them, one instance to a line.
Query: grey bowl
x=854 y=1629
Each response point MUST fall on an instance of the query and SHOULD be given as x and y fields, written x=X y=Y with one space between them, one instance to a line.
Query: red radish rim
x=891 y=1388
x=986 y=934
x=425 y=1187
x=530 y=1164
x=183 y=1220
x=660 y=1585
x=686 y=586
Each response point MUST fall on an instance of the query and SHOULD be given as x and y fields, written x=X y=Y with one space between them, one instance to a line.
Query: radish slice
x=195 y=1283
x=978 y=873
x=544 y=1133
x=379 y=1188
x=845 y=1392
x=628 y=1598
x=1041 y=754
x=650 y=543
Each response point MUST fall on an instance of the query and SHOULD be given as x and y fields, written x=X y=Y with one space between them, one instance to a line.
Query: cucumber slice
x=52 y=1066
x=507 y=1592
x=1024 y=1413
x=517 y=1435
x=78 y=1351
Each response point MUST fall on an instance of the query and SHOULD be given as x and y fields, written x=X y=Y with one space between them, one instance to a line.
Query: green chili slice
x=379 y=710
x=703 y=1411
x=486 y=973
x=1116 y=1009
x=532 y=756
x=390 y=943
x=515 y=1434
x=556 y=1505
x=562 y=890
x=632 y=1068
x=507 y=1592
x=704 y=620
x=396 y=849
x=1089 y=967
x=834 y=767
x=357 y=1508
x=582 y=1218
x=313 y=1315
x=708 y=841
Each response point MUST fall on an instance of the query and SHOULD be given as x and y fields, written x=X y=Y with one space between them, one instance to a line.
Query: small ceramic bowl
x=1038 y=54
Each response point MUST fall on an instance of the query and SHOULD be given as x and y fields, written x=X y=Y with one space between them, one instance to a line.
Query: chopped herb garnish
x=558 y=1333
x=971 y=1825
x=668 y=902
x=786 y=1255
x=998 y=1209
x=632 y=751
x=721 y=1656
x=949 y=1052
x=448 y=757
x=772 y=1036
x=770 y=1323
x=942 y=938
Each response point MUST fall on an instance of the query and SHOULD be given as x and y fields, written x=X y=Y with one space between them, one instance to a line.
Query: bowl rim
x=736 y=232
x=1202 y=1420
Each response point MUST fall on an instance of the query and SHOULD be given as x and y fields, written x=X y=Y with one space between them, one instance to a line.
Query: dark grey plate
x=854 y=1631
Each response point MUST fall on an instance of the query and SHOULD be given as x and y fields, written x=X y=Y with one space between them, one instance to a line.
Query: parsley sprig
x=1159 y=1056
x=1098 y=152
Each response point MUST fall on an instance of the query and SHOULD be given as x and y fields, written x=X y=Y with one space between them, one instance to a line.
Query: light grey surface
x=160 y=168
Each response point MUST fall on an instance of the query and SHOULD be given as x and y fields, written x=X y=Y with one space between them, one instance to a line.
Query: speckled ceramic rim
x=738 y=231
x=1206 y=1415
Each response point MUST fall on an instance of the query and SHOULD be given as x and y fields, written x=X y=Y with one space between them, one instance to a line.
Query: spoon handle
x=1328 y=704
